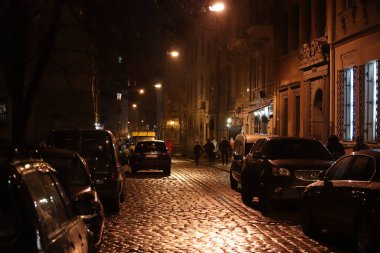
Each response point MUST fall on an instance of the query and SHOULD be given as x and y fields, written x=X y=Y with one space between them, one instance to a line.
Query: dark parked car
x=35 y=213
x=75 y=176
x=150 y=155
x=277 y=169
x=346 y=200
x=242 y=146
x=98 y=148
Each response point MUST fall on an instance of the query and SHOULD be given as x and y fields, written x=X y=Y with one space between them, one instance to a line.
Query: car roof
x=151 y=141
x=371 y=152
x=58 y=152
x=251 y=138
x=287 y=138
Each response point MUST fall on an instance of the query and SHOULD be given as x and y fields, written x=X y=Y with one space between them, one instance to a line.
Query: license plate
x=151 y=156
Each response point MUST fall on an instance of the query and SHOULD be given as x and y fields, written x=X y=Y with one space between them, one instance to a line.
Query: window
x=339 y=169
x=348 y=103
x=362 y=169
x=3 y=112
x=370 y=104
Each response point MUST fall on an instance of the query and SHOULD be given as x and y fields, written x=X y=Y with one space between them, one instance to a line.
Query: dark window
x=339 y=169
x=362 y=169
x=151 y=146
x=297 y=149
x=71 y=172
x=298 y=115
x=258 y=145
x=3 y=112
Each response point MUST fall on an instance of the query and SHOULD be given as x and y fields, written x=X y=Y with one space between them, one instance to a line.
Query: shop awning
x=260 y=105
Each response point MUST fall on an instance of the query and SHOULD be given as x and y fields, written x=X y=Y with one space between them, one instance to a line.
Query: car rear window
x=151 y=146
x=70 y=171
x=297 y=149
x=97 y=145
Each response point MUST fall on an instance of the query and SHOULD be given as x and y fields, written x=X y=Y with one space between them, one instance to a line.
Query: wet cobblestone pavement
x=194 y=210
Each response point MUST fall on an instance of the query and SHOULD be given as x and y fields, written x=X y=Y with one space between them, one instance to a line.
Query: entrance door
x=317 y=115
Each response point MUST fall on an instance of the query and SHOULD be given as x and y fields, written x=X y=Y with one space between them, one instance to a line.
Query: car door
x=72 y=224
x=325 y=203
x=52 y=237
x=352 y=191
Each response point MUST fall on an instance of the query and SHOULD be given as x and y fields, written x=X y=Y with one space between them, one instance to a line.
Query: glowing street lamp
x=134 y=105
x=217 y=7
x=173 y=53
x=141 y=91
x=158 y=86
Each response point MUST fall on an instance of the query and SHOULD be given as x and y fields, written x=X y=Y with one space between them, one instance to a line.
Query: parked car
x=98 y=148
x=277 y=169
x=35 y=212
x=346 y=200
x=242 y=146
x=151 y=155
x=75 y=176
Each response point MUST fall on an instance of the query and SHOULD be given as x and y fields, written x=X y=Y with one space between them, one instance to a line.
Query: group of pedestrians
x=337 y=149
x=211 y=149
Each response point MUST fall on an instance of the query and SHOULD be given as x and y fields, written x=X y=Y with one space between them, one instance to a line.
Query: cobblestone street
x=194 y=210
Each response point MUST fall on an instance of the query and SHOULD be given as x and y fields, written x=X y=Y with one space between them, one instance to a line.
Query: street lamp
x=173 y=53
x=216 y=7
x=141 y=91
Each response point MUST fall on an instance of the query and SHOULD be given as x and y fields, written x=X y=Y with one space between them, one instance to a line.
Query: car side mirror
x=84 y=204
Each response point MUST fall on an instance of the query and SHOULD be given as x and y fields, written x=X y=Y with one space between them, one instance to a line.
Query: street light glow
x=174 y=53
x=158 y=86
x=217 y=7
x=141 y=91
x=134 y=105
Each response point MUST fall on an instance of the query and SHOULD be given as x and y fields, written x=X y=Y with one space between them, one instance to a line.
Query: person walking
x=335 y=147
x=197 y=150
x=224 y=150
x=216 y=149
x=209 y=150
x=360 y=145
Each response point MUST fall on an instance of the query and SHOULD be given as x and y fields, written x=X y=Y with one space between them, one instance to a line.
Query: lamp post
x=217 y=8
x=158 y=87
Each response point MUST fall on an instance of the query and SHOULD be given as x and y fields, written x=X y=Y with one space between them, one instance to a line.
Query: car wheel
x=233 y=182
x=265 y=203
x=308 y=225
x=364 y=236
x=114 y=205
x=167 y=171
x=246 y=192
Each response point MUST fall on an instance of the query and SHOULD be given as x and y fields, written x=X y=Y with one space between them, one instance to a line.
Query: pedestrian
x=360 y=145
x=232 y=145
x=224 y=147
x=209 y=150
x=335 y=147
x=169 y=145
x=216 y=149
x=197 y=150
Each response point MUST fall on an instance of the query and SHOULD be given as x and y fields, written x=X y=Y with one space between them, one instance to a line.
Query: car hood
x=304 y=164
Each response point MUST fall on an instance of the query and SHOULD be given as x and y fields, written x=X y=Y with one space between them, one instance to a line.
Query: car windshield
x=150 y=146
x=297 y=149
x=70 y=172
x=97 y=146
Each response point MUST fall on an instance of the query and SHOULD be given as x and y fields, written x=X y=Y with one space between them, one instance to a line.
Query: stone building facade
x=305 y=68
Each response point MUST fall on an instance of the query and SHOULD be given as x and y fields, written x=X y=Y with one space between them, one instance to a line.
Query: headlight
x=280 y=172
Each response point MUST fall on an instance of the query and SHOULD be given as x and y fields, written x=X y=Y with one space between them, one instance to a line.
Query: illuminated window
x=370 y=103
x=348 y=103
